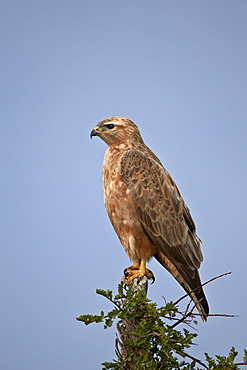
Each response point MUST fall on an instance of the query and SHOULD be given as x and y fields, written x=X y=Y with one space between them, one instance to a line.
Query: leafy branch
x=148 y=340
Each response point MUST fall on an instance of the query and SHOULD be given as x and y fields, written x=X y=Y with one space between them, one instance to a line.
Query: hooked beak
x=94 y=132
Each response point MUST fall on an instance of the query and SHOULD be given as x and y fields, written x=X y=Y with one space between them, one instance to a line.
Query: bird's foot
x=136 y=271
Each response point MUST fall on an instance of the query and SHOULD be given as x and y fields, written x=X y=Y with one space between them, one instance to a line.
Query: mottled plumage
x=147 y=210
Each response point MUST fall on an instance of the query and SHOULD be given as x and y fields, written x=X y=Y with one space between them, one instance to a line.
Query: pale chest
x=115 y=190
x=122 y=209
x=117 y=197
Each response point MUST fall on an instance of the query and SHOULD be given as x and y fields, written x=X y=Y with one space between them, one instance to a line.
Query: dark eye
x=110 y=126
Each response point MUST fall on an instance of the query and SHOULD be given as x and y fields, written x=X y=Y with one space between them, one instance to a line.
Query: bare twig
x=191 y=314
x=241 y=363
x=196 y=359
x=215 y=314
x=207 y=282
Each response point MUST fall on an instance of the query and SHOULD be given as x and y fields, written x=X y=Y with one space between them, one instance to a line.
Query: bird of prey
x=147 y=210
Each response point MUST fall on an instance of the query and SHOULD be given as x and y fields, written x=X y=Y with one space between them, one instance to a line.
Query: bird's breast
x=121 y=209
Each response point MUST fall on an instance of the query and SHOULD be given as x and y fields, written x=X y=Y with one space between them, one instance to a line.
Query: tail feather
x=189 y=280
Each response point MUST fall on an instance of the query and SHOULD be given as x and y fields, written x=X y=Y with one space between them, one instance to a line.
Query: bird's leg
x=138 y=269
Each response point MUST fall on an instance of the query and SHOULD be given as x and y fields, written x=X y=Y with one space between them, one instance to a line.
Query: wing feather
x=161 y=208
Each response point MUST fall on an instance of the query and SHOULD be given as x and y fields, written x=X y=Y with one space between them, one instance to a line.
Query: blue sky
x=178 y=69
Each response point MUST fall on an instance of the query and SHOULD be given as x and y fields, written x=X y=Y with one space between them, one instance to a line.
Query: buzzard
x=147 y=210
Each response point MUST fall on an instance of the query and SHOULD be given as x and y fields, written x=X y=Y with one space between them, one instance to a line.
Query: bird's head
x=117 y=130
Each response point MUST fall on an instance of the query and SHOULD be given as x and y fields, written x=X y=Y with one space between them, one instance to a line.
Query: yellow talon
x=137 y=270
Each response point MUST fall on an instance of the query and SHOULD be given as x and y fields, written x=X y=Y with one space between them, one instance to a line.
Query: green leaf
x=89 y=319
x=105 y=293
x=245 y=356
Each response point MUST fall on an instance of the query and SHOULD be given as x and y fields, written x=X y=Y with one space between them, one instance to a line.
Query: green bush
x=148 y=338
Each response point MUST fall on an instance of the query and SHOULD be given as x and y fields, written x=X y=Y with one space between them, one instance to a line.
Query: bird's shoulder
x=142 y=165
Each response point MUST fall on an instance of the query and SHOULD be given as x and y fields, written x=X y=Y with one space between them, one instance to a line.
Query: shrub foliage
x=148 y=337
